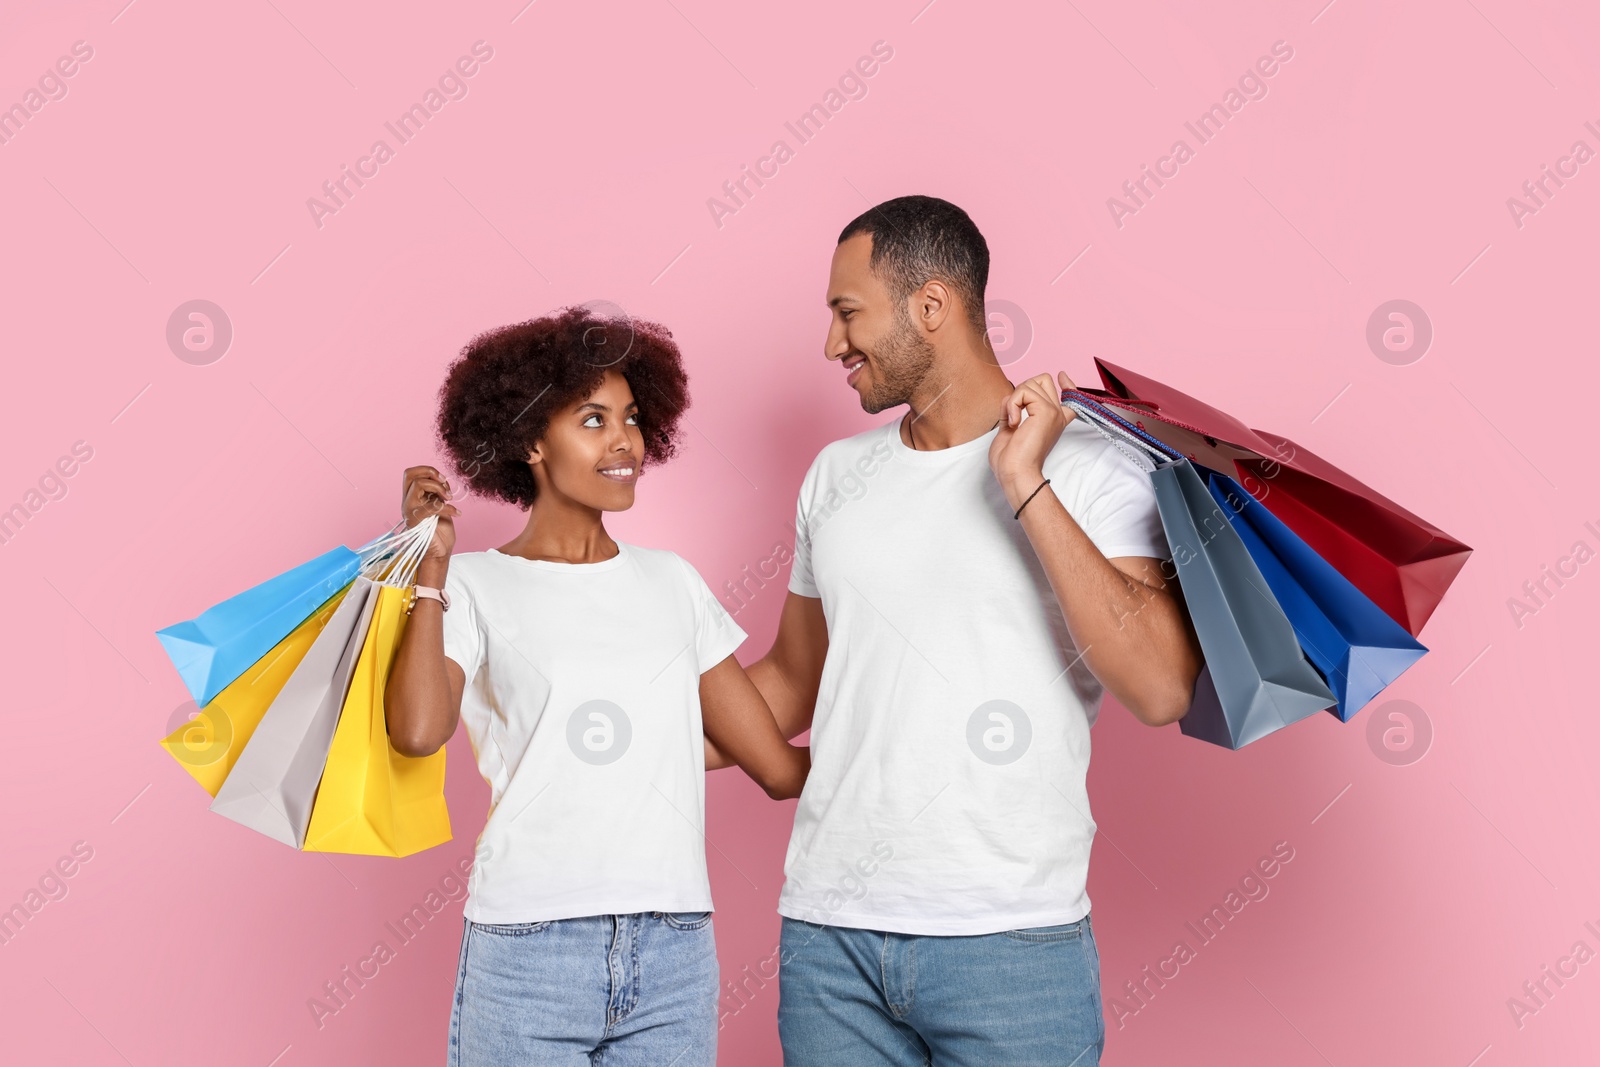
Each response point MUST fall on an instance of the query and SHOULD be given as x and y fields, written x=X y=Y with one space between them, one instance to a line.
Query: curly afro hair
x=498 y=397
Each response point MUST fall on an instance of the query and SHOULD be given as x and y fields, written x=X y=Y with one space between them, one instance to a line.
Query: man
x=968 y=580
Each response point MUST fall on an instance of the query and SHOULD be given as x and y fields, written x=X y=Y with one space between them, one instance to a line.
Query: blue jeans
x=1022 y=998
x=634 y=990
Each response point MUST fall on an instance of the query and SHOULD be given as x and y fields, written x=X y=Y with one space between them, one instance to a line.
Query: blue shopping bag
x=1358 y=648
x=221 y=643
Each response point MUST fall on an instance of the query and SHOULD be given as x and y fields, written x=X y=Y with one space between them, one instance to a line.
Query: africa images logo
x=451 y=85
x=1252 y=85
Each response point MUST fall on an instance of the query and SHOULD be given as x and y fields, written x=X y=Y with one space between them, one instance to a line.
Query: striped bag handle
x=1141 y=449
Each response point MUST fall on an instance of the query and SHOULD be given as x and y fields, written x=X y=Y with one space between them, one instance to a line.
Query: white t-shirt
x=583 y=706
x=951 y=737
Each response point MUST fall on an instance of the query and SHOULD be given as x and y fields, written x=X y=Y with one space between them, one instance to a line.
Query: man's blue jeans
x=1022 y=998
x=634 y=990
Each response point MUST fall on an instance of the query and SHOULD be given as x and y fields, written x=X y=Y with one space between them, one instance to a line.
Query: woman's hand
x=422 y=700
x=426 y=493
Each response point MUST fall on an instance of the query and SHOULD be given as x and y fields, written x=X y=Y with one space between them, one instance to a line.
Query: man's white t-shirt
x=951 y=738
x=583 y=707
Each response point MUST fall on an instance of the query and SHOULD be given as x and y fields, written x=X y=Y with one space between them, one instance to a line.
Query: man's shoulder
x=1082 y=449
x=1080 y=440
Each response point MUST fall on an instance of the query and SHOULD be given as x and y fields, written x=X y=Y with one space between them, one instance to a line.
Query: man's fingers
x=1034 y=395
x=1039 y=387
x=1064 y=383
x=1015 y=404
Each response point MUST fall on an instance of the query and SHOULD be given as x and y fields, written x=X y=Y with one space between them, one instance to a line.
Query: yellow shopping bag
x=372 y=800
x=209 y=744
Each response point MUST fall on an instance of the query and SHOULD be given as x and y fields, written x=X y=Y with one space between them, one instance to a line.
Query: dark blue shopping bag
x=1358 y=648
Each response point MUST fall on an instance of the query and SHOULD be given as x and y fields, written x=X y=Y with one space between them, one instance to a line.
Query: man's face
x=871 y=334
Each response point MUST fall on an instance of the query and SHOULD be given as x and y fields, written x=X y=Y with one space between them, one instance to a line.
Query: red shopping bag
x=1401 y=561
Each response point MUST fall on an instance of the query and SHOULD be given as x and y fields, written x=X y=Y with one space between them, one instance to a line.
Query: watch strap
x=429 y=592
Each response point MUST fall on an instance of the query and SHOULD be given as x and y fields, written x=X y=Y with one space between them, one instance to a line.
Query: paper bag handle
x=1141 y=449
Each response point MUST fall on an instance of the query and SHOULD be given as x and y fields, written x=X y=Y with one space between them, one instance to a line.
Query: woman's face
x=592 y=451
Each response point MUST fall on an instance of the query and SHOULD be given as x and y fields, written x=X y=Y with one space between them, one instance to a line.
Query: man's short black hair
x=917 y=238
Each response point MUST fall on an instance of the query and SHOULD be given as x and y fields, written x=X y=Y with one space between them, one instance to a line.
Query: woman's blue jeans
x=634 y=990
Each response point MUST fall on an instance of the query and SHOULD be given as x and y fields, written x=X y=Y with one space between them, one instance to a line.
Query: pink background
x=177 y=167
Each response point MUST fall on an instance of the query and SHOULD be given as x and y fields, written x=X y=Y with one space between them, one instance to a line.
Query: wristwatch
x=431 y=593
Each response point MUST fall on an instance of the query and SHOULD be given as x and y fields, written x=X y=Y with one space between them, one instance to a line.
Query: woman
x=597 y=681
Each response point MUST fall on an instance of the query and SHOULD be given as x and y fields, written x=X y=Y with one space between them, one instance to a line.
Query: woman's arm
x=422 y=699
x=738 y=722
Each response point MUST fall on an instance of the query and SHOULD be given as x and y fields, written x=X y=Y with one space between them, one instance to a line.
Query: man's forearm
x=1134 y=636
x=791 y=708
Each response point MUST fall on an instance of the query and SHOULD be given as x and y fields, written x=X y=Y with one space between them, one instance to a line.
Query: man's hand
x=1019 y=449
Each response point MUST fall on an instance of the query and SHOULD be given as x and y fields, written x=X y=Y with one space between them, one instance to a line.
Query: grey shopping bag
x=1256 y=679
x=272 y=786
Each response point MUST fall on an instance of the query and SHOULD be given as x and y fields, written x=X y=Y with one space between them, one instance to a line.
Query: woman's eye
x=590 y=419
x=632 y=420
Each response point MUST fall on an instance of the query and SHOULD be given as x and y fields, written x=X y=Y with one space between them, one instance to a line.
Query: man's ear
x=932 y=305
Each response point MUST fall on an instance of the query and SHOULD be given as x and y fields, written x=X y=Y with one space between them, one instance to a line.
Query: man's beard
x=901 y=362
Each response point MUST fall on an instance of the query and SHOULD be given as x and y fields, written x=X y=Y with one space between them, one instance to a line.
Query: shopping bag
x=208 y=745
x=1400 y=561
x=214 y=648
x=1354 y=644
x=372 y=800
x=274 y=781
x=1256 y=679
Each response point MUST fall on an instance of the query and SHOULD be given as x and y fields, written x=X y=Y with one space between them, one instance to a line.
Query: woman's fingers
x=414 y=475
x=427 y=476
x=426 y=493
x=429 y=486
x=422 y=505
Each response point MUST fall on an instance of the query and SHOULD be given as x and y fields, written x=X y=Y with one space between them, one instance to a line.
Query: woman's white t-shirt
x=582 y=703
